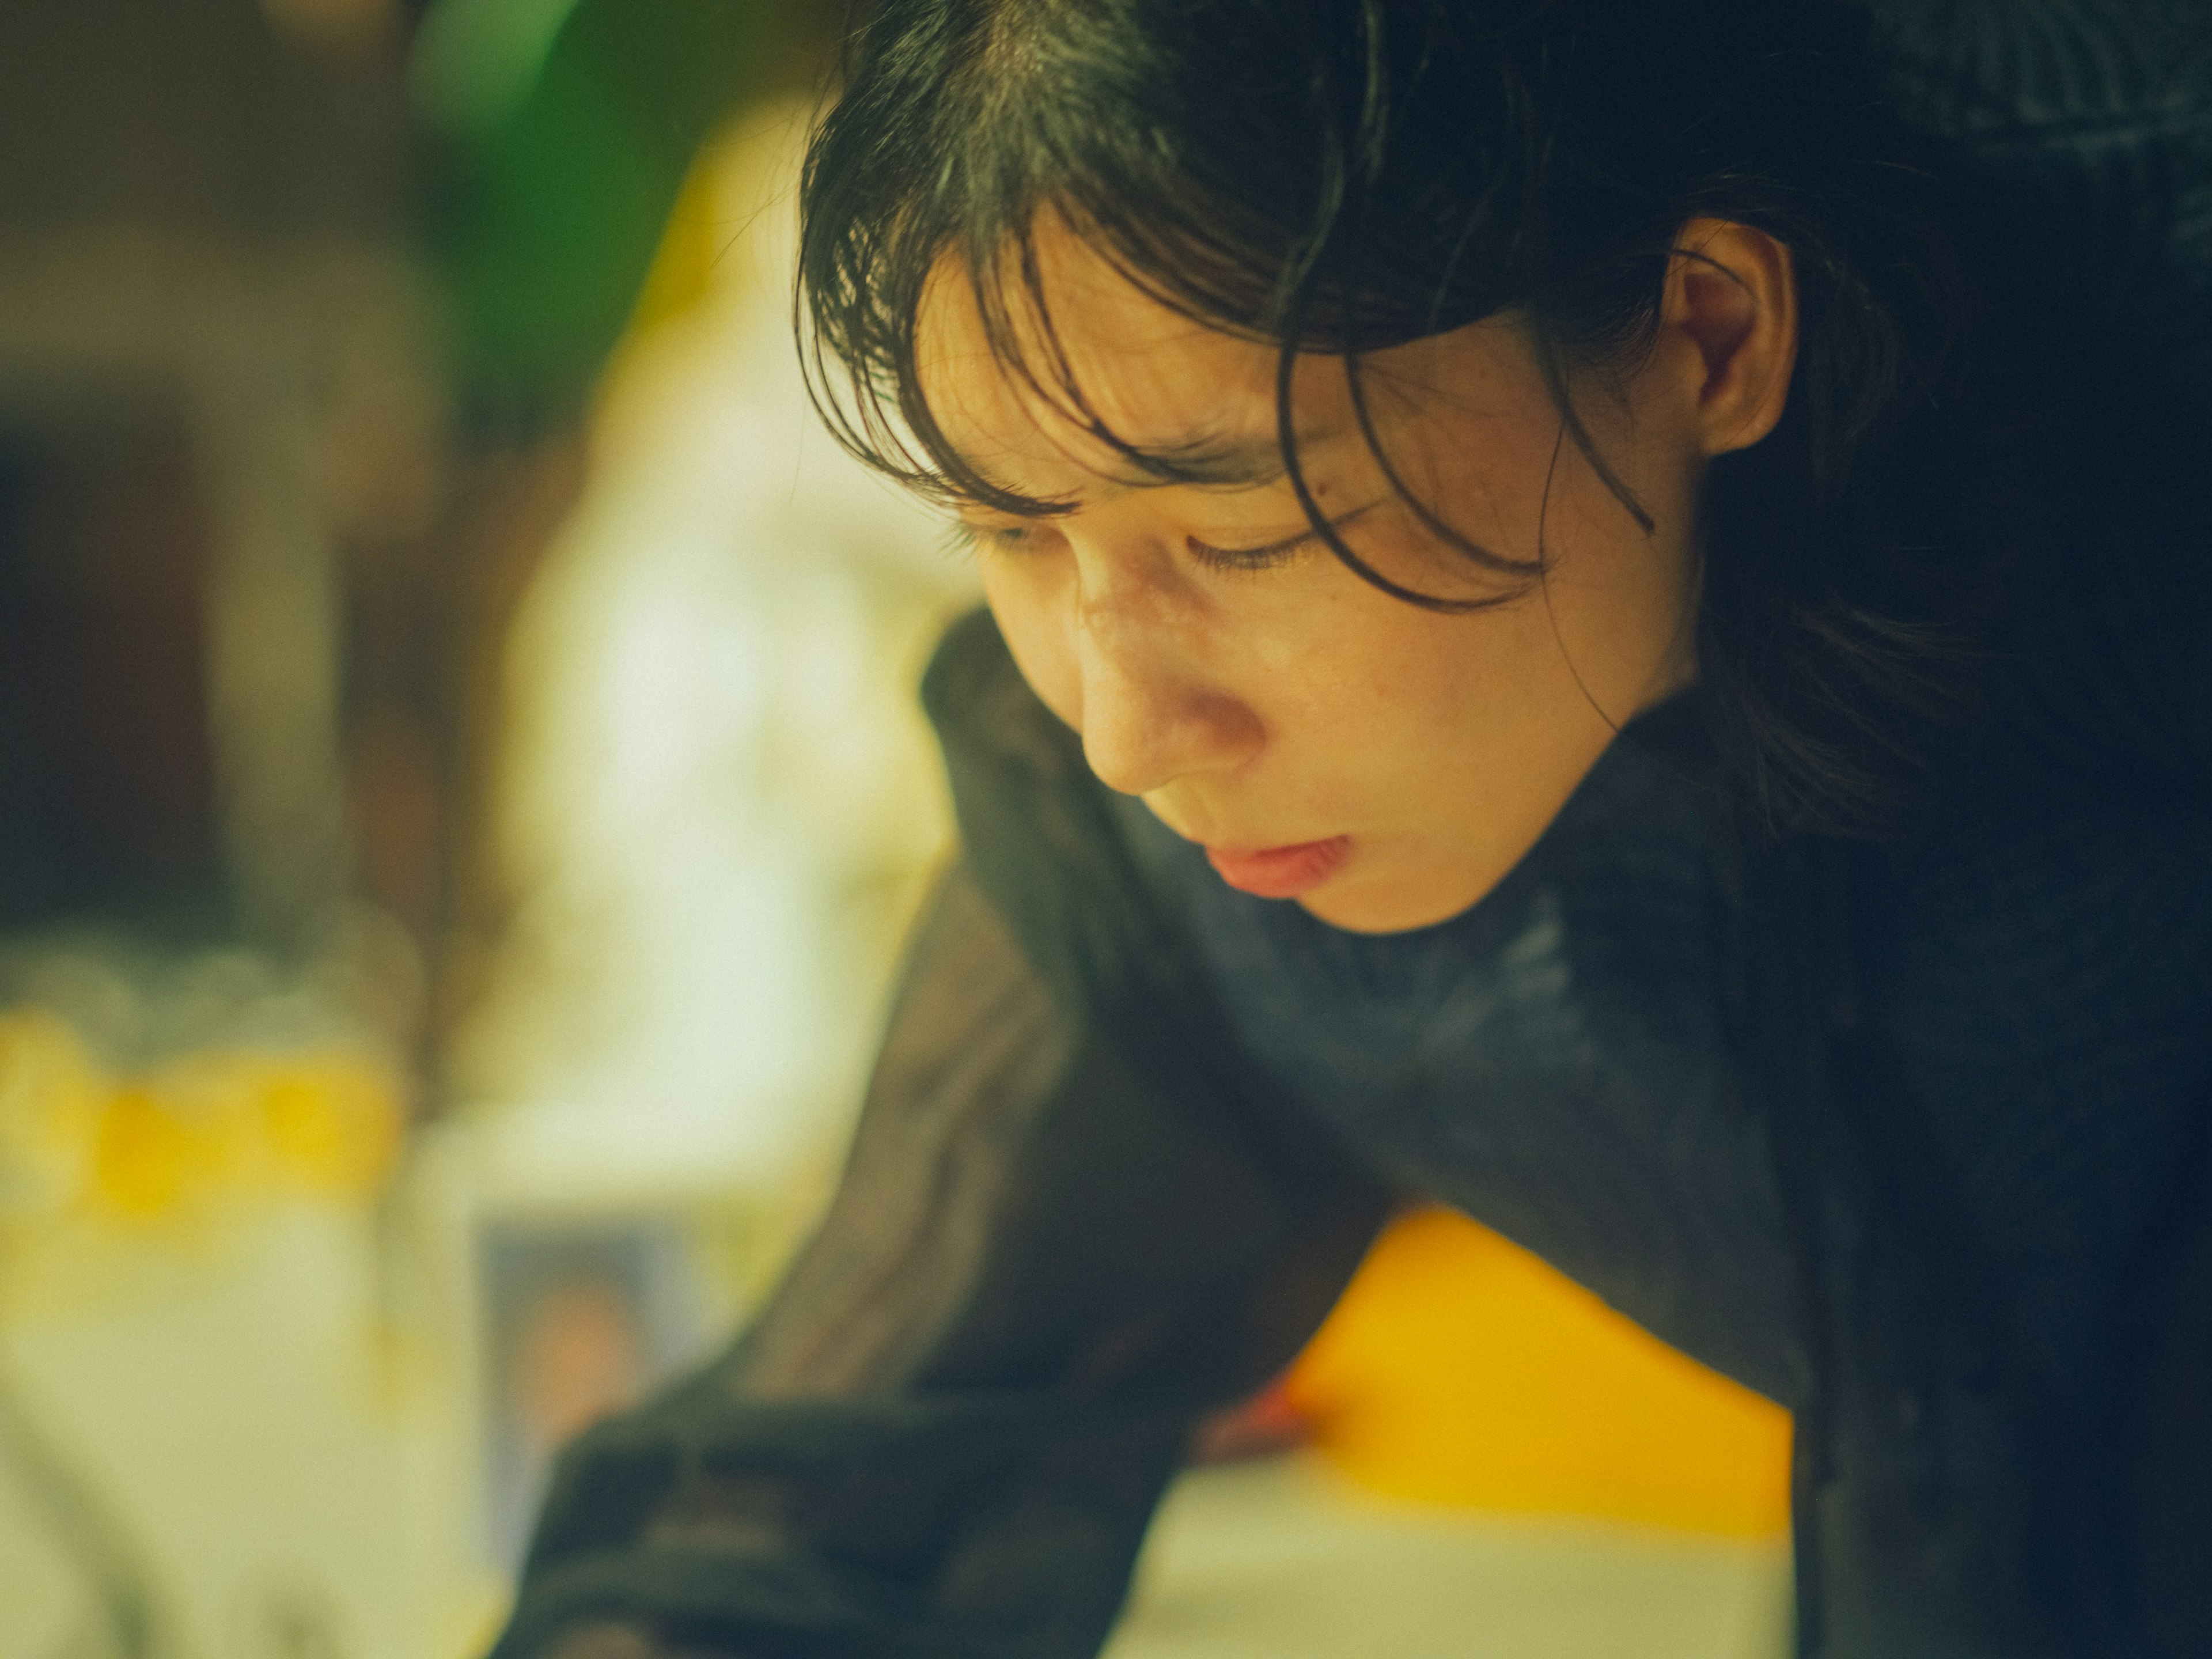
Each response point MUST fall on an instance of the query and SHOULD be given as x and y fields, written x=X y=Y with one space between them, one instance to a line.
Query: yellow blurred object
x=144 y=1156
x=319 y=1124
x=333 y=1126
x=51 y=1096
x=682 y=273
x=206 y=1131
x=1459 y=1368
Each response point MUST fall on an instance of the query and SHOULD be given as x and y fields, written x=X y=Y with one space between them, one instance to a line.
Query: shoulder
x=1043 y=841
x=2055 y=72
x=2084 y=128
x=1017 y=770
x=2079 y=134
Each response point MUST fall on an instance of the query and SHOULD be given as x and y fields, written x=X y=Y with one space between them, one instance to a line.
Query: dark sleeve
x=1057 y=1242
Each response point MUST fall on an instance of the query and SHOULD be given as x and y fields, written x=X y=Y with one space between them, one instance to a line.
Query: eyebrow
x=1219 y=463
x=1205 y=463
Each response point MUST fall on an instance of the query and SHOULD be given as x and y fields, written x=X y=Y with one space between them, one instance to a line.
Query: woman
x=1597 y=610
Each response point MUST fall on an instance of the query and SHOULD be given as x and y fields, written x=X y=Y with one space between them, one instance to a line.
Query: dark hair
x=1344 y=175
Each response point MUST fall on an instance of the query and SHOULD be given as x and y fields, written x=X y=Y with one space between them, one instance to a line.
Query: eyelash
x=1240 y=561
x=1244 y=560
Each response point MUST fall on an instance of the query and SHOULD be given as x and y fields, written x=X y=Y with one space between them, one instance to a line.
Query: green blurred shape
x=565 y=131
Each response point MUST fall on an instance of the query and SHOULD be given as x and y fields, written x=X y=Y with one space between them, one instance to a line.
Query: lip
x=1280 y=872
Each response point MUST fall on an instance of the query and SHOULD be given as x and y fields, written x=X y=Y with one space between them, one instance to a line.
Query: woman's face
x=1382 y=764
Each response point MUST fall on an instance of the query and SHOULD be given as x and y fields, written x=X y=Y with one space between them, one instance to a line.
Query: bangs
x=947 y=155
x=1010 y=300
x=861 y=337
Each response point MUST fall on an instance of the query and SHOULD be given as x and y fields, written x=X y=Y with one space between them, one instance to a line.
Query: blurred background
x=460 y=798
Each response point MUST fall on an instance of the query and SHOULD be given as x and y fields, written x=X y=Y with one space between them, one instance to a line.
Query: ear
x=1730 y=304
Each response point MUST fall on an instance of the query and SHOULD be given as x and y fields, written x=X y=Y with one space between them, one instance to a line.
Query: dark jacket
x=1090 y=1200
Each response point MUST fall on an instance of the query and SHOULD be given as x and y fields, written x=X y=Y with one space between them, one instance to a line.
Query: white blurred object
x=718 y=797
x=1279 y=1558
x=294 y=1474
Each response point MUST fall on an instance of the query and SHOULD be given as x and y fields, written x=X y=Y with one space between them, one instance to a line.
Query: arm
x=946 y=1432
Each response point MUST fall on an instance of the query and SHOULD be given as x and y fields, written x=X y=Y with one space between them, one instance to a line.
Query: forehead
x=1157 y=380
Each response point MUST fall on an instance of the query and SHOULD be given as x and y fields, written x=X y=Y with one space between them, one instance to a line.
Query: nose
x=1151 y=711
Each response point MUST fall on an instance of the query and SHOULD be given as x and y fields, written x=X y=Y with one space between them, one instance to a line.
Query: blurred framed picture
x=582 y=1315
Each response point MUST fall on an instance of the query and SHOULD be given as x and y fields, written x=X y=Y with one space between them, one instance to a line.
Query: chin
x=1372 y=907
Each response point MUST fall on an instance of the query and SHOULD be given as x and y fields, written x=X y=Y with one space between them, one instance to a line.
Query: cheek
x=1031 y=617
x=1432 y=705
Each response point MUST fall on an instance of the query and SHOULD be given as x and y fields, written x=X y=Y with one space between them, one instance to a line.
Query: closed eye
x=960 y=536
x=1248 y=558
x=1016 y=537
x=1266 y=557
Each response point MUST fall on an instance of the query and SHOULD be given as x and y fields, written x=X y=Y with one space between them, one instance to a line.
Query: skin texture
x=1275 y=698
